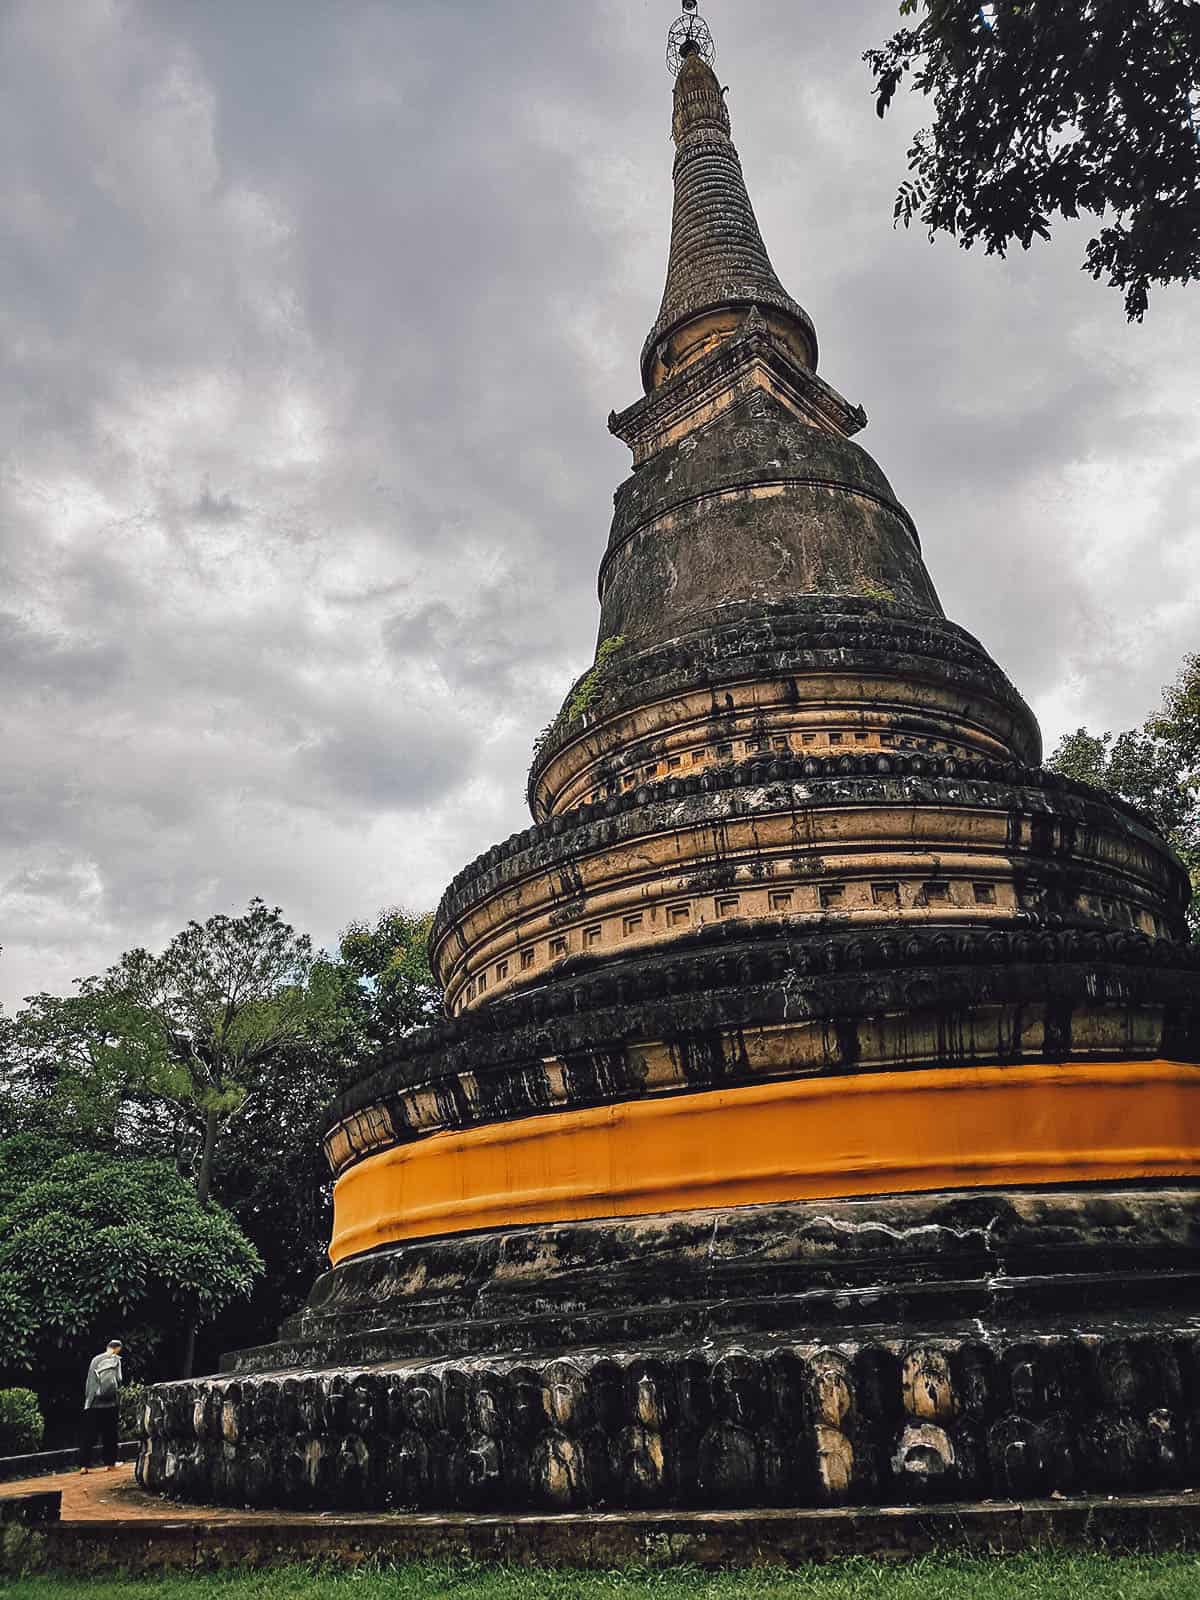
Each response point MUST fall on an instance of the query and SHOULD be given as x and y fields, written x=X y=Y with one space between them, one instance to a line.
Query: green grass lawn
x=1028 y=1577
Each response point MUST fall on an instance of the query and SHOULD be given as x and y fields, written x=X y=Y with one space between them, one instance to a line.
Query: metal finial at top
x=689 y=36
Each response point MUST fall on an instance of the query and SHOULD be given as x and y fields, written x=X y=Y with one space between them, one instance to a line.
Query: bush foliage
x=1045 y=110
x=20 y=1422
x=95 y=1243
x=1156 y=766
x=132 y=1403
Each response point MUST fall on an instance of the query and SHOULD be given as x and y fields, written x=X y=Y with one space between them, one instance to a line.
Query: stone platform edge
x=605 y=1540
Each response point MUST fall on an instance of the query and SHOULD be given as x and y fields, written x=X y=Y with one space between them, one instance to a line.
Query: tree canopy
x=1156 y=766
x=389 y=958
x=95 y=1246
x=201 y=1023
x=1045 y=109
x=211 y=1061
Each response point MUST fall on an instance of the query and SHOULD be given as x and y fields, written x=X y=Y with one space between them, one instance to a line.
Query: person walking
x=101 y=1407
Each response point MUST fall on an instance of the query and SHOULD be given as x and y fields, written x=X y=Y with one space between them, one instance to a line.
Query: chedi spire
x=747 y=491
x=718 y=266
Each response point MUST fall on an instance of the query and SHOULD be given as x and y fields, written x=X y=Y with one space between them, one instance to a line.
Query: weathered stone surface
x=566 y=1046
x=644 y=1538
x=718 y=260
x=917 y=680
x=938 y=1260
x=829 y=831
x=766 y=506
x=756 y=443
x=865 y=1421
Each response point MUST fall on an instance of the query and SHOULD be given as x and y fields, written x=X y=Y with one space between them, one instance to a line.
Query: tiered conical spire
x=718 y=263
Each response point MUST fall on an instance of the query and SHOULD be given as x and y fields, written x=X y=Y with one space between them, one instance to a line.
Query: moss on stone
x=588 y=689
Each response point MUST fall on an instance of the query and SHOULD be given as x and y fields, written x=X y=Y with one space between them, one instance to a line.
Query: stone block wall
x=785 y=1424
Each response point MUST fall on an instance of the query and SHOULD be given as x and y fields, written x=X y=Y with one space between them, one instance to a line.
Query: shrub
x=132 y=1403
x=21 y=1422
x=92 y=1242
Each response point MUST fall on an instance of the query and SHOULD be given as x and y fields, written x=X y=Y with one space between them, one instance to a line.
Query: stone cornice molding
x=805 y=634
x=753 y=358
x=791 y=783
x=508 y=1059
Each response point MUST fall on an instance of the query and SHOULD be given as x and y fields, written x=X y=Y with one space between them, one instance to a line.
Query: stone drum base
x=1008 y=1344
x=779 y=1423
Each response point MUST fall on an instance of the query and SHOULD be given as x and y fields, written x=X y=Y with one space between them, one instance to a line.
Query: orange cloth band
x=795 y=1139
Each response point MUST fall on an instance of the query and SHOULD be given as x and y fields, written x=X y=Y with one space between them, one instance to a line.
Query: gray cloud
x=210 y=507
x=310 y=319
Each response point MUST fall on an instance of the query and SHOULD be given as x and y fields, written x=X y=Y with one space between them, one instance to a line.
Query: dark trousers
x=99 y=1422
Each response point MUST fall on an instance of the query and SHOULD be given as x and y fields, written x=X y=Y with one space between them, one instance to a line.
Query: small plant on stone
x=588 y=689
x=874 y=590
x=584 y=695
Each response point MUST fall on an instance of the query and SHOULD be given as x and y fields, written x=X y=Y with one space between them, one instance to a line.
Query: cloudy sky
x=311 y=316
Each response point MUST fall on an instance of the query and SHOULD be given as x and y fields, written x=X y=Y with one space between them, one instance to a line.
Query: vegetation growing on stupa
x=589 y=687
x=585 y=696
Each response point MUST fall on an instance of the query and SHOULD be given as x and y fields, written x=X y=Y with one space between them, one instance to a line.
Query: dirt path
x=100 y=1496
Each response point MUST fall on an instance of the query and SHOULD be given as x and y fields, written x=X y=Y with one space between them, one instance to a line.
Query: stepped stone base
x=109 y=1524
x=920 y=1348
x=890 y=1421
x=604 y=1540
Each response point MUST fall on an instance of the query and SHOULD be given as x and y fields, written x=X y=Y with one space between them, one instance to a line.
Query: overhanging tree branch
x=1044 y=110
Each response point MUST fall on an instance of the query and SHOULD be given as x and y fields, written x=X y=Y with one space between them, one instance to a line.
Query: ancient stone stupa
x=816 y=1117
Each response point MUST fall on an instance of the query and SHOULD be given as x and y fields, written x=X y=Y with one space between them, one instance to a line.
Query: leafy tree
x=21 y=1424
x=66 y=1071
x=90 y=1245
x=1083 y=756
x=270 y=1170
x=200 y=1022
x=1156 y=766
x=204 y=1026
x=389 y=958
x=1043 y=109
x=219 y=1056
x=270 y=1167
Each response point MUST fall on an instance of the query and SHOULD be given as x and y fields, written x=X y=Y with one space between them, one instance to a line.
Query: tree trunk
x=203 y=1189
x=189 y=1351
x=204 y=1181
